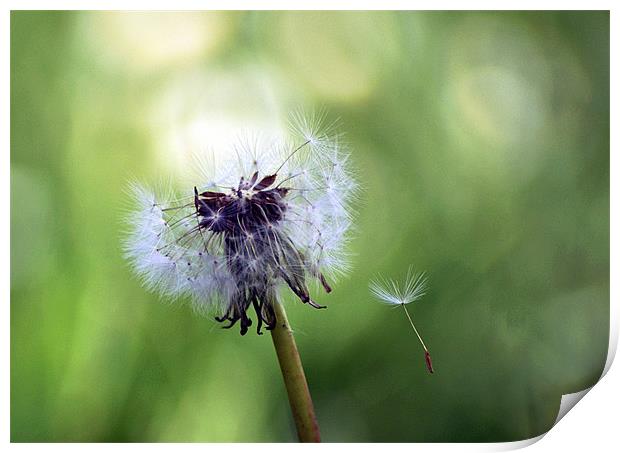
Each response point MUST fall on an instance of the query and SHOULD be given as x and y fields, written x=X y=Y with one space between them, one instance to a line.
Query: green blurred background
x=482 y=144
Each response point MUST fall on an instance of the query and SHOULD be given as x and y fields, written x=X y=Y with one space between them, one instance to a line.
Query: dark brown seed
x=265 y=182
x=429 y=363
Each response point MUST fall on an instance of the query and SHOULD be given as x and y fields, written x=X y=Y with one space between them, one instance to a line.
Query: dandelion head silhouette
x=277 y=214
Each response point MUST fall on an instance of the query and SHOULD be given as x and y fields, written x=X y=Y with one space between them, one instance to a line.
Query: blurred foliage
x=482 y=144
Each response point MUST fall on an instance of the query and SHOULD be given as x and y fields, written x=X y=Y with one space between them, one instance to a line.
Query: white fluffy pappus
x=277 y=213
x=389 y=291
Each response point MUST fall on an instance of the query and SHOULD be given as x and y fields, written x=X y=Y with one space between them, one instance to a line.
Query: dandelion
x=390 y=292
x=275 y=215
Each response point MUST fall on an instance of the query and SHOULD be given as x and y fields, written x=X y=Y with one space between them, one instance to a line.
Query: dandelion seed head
x=275 y=214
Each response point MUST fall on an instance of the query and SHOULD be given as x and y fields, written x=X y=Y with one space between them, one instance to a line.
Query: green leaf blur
x=482 y=146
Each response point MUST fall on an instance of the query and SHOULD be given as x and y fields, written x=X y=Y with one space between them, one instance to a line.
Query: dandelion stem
x=294 y=378
x=414 y=329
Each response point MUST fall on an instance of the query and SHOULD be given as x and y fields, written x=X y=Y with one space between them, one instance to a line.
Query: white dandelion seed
x=277 y=214
x=390 y=292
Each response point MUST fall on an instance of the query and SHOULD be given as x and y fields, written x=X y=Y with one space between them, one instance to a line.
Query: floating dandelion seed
x=276 y=214
x=390 y=292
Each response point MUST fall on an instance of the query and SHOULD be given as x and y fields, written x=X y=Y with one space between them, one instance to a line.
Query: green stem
x=294 y=378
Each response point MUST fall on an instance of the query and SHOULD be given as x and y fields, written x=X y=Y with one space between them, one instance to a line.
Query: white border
x=592 y=426
x=308 y=5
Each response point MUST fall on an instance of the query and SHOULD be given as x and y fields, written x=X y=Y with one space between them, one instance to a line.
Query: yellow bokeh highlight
x=142 y=41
